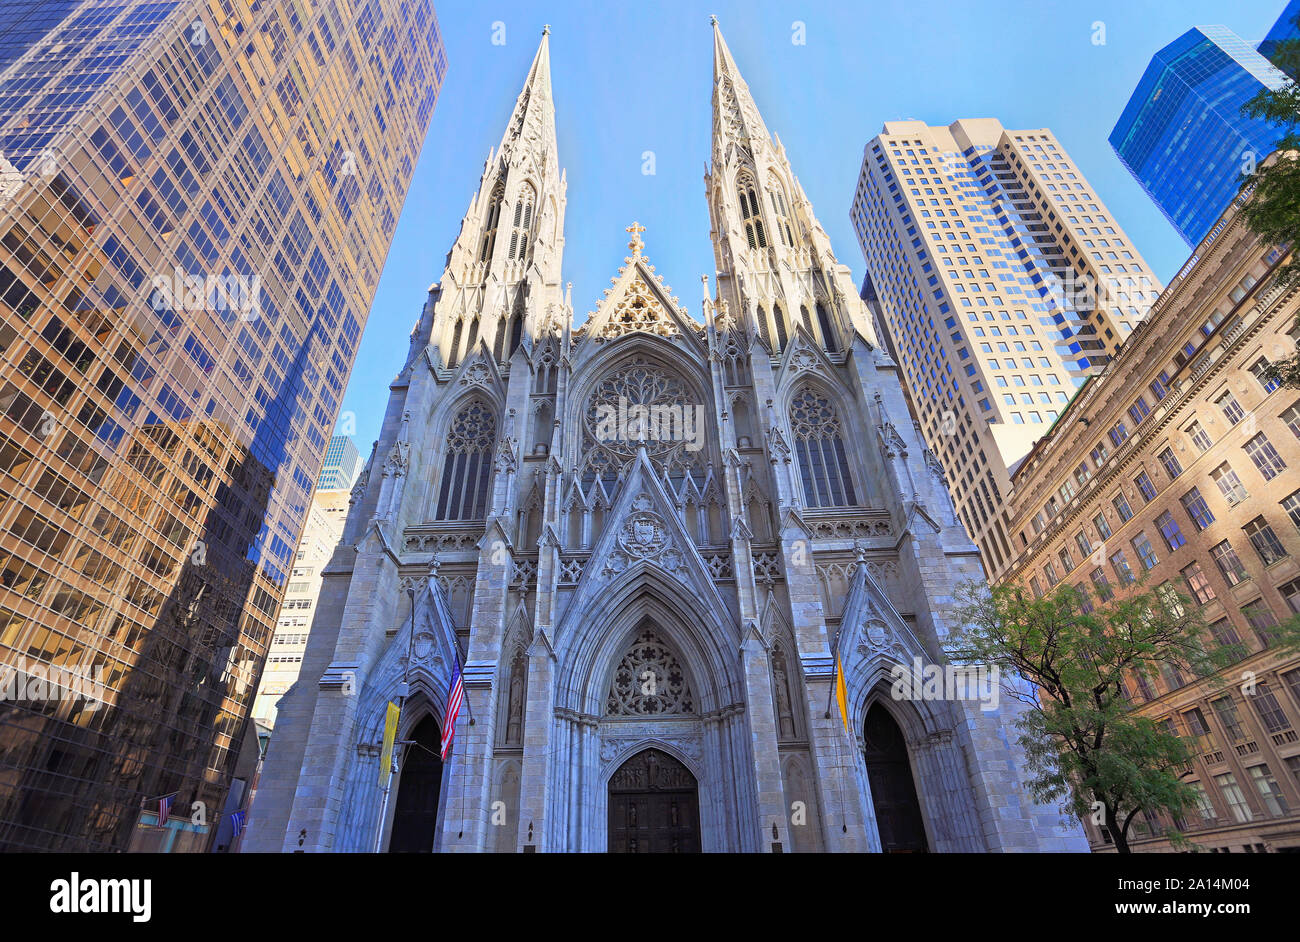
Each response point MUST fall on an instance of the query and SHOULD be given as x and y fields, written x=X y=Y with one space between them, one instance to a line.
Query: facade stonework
x=645 y=617
x=1177 y=465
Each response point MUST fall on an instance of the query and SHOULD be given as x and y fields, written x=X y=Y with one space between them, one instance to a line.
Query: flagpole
x=401 y=704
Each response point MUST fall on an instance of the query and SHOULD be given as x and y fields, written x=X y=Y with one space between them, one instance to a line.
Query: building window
x=1144 y=486
x=1225 y=636
x=1170 y=462
x=1232 y=410
x=1169 y=530
x=1119 y=563
x=823 y=464
x=1064 y=556
x=522 y=223
x=1085 y=546
x=1258 y=368
x=1198 y=585
x=1292 y=419
x=1103 y=528
x=1199 y=437
x=1101 y=584
x=491 y=222
x=1225 y=708
x=1229 y=484
x=1269 y=792
x=1169 y=596
x=1265 y=541
x=1261 y=619
x=1292 y=507
x=1268 y=709
x=1265 y=456
x=1120 y=502
x=1291 y=592
x=1234 y=798
x=1146 y=555
x=1197 y=509
x=1229 y=563
x=1049 y=572
x=752 y=219
x=467 y=471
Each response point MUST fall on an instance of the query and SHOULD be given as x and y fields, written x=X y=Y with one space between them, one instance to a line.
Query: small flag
x=165 y=808
x=841 y=692
x=454 y=700
x=237 y=819
x=390 y=735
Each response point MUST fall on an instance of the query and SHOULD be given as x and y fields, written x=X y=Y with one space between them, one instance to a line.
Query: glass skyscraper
x=196 y=200
x=1182 y=134
x=342 y=465
x=1284 y=29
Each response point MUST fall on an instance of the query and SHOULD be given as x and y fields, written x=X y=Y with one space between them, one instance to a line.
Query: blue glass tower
x=1182 y=134
x=1284 y=29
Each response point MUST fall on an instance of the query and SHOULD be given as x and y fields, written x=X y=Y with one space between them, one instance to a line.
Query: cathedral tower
x=644 y=538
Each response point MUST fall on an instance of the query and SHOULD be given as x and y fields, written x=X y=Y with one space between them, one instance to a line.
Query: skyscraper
x=201 y=196
x=648 y=616
x=1003 y=281
x=342 y=465
x=1284 y=29
x=1182 y=134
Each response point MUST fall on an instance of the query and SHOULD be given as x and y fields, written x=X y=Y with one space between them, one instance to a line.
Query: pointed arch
x=751 y=212
x=828 y=330
x=780 y=211
x=491 y=221
x=466 y=470
x=522 y=221
x=818 y=434
x=782 y=332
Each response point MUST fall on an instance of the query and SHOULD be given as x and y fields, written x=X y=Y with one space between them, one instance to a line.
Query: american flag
x=165 y=808
x=454 y=700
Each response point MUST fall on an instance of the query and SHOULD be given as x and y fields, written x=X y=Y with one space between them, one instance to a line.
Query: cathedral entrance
x=416 y=816
x=898 y=813
x=653 y=806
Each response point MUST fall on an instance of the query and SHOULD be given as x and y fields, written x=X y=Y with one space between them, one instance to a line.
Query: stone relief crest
x=643 y=536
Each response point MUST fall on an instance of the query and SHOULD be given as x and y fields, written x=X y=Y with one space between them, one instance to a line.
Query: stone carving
x=649 y=681
x=644 y=535
x=639 y=309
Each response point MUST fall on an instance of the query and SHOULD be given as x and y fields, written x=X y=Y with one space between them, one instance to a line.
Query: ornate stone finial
x=636 y=245
x=713 y=20
x=434 y=564
x=546 y=30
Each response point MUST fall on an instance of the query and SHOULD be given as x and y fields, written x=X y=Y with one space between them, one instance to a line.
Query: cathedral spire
x=504 y=268
x=735 y=116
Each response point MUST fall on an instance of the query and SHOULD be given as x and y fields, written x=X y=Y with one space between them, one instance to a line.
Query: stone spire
x=735 y=116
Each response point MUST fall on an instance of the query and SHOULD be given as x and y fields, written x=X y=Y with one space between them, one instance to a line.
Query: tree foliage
x=1084 y=744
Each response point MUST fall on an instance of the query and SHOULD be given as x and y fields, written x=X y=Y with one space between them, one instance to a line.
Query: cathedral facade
x=644 y=538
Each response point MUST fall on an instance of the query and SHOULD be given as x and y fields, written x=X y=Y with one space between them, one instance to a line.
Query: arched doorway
x=898 y=813
x=415 y=819
x=654 y=806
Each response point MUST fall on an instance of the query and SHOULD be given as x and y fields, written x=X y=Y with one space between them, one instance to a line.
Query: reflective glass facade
x=1182 y=134
x=342 y=465
x=1284 y=29
x=197 y=201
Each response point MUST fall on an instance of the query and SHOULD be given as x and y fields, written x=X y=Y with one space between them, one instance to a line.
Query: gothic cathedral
x=645 y=620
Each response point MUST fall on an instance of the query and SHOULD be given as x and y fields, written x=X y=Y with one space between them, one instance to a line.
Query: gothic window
x=467 y=470
x=523 y=221
x=782 y=337
x=819 y=441
x=780 y=213
x=750 y=215
x=828 y=332
x=649 y=681
x=453 y=353
x=807 y=321
x=472 y=338
x=763 y=330
x=661 y=427
x=490 y=223
x=516 y=331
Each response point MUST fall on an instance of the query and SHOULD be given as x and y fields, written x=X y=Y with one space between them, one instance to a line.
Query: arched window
x=750 y=216
x=523 y=221
x=782 y=336
x=763 y=331
x=780 y=212
x=453 y=352
x=490 y=223
x=467 y=470
x=819 y=442
x=828 y=332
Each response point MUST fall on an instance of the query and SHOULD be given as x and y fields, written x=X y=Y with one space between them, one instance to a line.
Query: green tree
x=1273 y=210
x=1077 y=651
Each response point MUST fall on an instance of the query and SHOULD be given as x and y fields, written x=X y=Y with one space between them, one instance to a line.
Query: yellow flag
x=841 y=692
x=390 y=735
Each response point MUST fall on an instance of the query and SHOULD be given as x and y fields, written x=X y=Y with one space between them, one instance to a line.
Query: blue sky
x=635 y=77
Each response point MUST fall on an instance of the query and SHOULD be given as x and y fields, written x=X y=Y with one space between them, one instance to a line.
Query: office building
x=204 y=198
